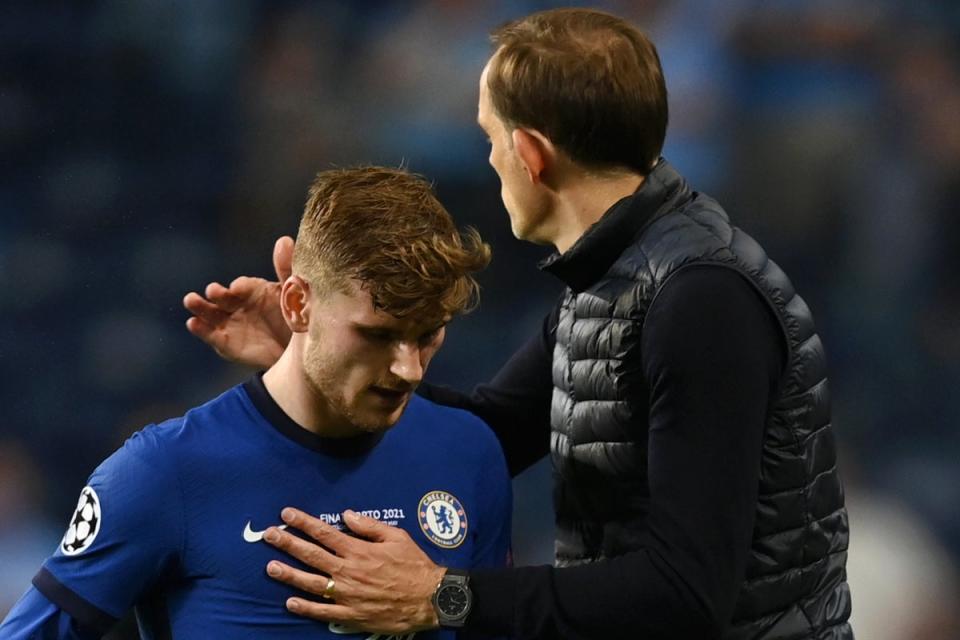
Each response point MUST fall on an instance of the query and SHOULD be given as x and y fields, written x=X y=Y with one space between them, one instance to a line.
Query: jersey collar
x=271 y=411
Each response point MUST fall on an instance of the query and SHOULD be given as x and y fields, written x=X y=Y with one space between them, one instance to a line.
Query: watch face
x=452 y=600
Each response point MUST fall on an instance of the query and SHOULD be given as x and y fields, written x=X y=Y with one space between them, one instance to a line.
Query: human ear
x=534 y=150
x=295 y=303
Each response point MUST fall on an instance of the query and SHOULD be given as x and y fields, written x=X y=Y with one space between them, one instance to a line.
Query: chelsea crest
x=442 y=519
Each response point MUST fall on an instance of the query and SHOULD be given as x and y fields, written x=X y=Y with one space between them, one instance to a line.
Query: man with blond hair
x=173 y=523
x=679 y=387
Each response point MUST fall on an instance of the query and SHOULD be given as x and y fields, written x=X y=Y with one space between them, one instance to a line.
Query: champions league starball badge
x=442 y=519
x=84 y=524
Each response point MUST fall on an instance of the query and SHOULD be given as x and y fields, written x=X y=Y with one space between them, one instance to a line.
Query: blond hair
x=385 y=228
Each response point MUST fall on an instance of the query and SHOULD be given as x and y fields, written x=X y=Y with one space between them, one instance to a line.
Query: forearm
x=635 y=595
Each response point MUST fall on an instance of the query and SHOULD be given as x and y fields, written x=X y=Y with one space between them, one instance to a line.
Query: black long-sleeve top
x=712 y=354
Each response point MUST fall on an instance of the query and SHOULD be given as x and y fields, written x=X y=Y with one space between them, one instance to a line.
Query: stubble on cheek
x=331 y=383
x=321 y=374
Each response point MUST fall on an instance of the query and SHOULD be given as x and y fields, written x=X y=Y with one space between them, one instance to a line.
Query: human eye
x=377 y=335
x=431 y=335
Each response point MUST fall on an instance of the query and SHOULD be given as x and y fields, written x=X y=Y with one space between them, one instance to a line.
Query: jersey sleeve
x=124 y=536
x=34 y=617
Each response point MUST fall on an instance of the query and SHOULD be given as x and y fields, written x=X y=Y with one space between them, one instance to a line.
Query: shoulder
x=700 y=231
x=139 y=468
x=457 y=430
x=156 y=448
x=127 y=494
x=700 y=227
x=696 y=230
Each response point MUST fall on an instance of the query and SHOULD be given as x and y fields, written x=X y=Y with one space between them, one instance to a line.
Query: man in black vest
x=679 y=387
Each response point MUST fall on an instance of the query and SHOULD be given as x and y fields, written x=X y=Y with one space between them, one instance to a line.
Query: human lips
x=390 y=395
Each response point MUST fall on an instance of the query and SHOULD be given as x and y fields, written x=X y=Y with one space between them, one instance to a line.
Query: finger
x=229 y=299
x=367 y=527
x=317 y=611
x=283 y=257
x=307 y=552
x=199 y=328
x=243 y=287
x=309 y=582
x=213 y=291
x=328 y=536
x=204 y=309
x=211 y=335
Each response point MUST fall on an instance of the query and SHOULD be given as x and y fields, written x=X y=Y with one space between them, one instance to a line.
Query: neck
x=289 y=387
x=581 y=204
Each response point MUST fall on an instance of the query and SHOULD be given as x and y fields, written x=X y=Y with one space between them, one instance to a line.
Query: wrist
x=452 y=599
x=424 y=616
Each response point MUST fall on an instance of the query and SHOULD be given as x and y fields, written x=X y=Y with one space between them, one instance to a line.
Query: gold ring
x=328 y=592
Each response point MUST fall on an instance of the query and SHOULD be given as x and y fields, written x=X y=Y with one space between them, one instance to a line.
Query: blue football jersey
x=171 y=523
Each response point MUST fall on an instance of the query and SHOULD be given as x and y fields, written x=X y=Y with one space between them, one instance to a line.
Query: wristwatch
x=452 y=599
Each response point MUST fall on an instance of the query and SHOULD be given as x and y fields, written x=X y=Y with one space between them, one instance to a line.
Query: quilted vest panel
x=795 y=585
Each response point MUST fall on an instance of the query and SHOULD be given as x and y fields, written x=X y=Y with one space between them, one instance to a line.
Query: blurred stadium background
x=148 y=147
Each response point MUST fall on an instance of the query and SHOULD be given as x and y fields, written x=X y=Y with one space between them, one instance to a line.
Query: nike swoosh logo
x=249 y=535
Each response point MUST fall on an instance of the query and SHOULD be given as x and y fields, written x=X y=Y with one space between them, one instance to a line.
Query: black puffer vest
x=795 y=585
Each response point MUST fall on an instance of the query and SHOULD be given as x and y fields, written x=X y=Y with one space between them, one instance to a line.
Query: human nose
x=407 y=363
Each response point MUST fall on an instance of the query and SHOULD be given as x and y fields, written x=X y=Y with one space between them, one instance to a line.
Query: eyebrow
x=372 y=328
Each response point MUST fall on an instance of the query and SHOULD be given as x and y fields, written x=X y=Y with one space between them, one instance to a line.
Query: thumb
x=283 y=257
x=367 y=527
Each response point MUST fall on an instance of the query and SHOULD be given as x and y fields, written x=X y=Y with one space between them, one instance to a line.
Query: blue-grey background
x=148 y=147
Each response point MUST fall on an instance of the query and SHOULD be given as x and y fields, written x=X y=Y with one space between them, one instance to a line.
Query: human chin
x=517 y=226
x=378 y=411
x=530 y=224
x=521 y=227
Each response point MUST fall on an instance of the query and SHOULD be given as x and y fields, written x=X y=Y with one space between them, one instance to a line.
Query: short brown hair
x=588 y=80
x=385 y=228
